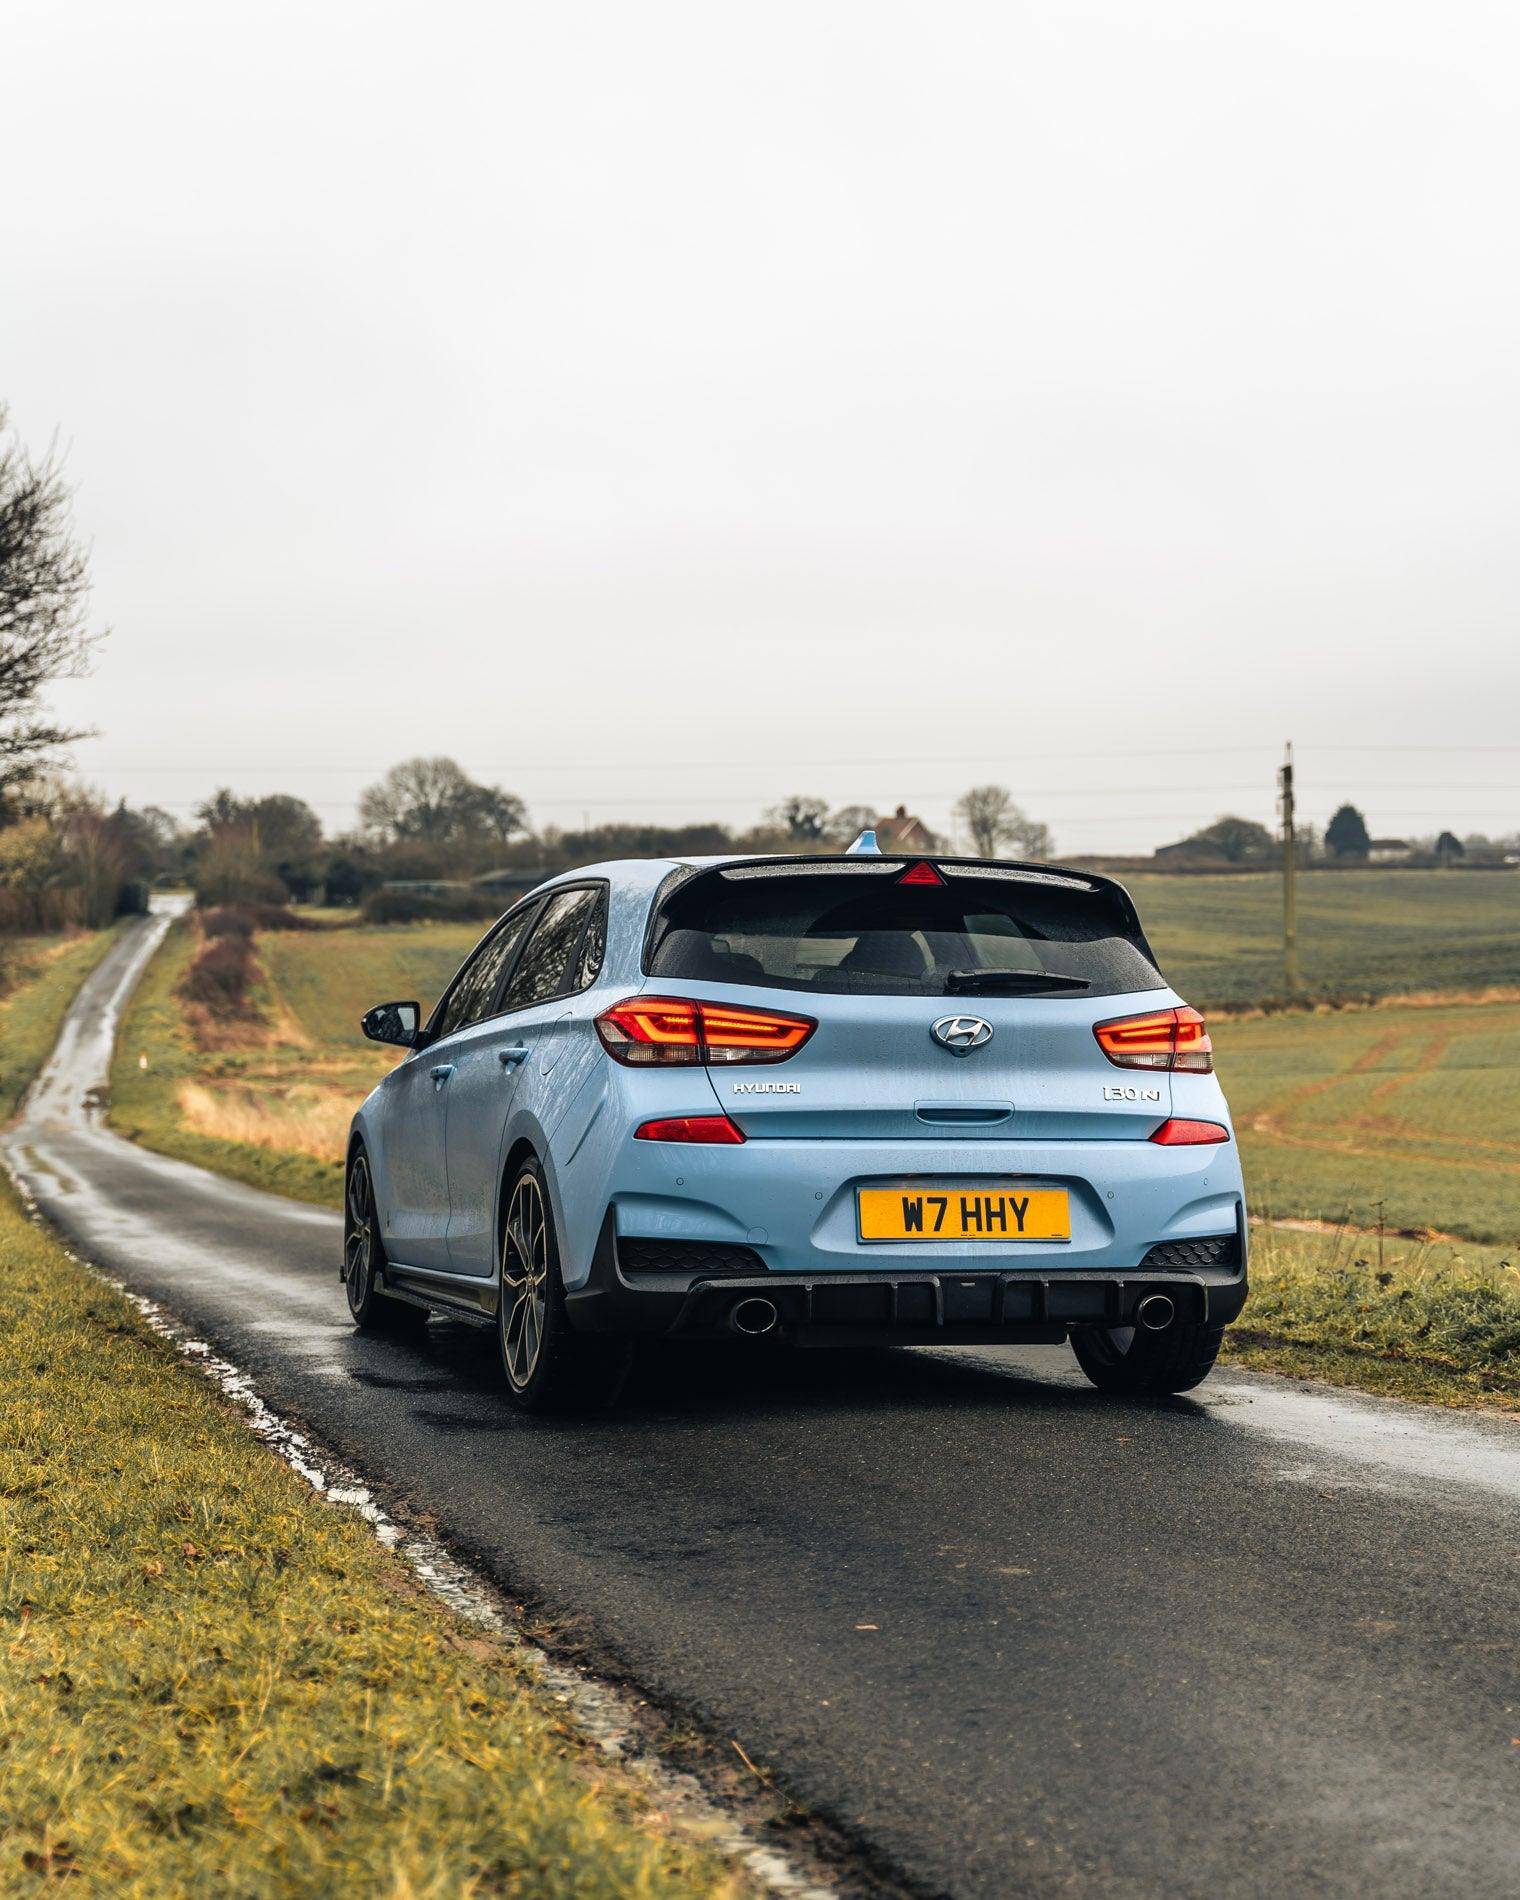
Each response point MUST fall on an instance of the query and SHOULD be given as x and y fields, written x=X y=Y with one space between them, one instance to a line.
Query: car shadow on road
x=723 y=1381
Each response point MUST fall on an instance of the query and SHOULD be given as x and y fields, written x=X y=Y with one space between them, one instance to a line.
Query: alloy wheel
x=358 y=1235
x=524 y=1281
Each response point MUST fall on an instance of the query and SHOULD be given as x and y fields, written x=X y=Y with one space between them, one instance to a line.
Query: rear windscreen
x=867 y=932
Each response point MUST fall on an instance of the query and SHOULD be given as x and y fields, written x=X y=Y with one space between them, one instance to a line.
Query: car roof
x=634 y=876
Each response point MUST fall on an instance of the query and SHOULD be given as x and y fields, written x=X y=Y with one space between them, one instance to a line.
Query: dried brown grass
x=300 y=1119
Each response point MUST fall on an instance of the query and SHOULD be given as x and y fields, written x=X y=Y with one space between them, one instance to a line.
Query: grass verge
x=1433 y=1321
x=210 y=1677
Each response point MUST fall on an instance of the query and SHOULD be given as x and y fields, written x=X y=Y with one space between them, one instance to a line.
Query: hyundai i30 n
x=825 y=1100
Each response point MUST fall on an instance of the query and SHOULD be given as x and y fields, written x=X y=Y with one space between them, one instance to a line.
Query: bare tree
x=434 y=801
x=993 y=819
x=802 y=819
x=44 y=597
x=502 y=815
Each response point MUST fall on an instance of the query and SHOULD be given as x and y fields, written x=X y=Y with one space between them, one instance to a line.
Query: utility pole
x=1290 y=895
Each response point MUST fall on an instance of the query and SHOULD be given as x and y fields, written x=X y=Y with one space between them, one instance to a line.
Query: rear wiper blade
x=1011 y=982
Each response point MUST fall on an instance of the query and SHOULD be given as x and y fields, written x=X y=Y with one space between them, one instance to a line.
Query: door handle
x=441 y=1075
x=509 y=1058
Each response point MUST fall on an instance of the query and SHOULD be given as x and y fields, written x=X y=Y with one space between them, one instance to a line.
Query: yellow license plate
x=1001 y=1214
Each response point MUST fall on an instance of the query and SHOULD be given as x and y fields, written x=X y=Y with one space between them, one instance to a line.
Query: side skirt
x=473 y=1301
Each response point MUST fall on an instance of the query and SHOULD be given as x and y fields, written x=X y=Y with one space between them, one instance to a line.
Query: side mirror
x=393 y=1022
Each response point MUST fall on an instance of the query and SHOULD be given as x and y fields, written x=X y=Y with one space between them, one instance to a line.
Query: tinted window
x=866 y=932
x=545 y=968
x=469 y=1001
x=593 y=946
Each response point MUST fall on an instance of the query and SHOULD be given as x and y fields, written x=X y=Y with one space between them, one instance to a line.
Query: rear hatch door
x=953 y=1000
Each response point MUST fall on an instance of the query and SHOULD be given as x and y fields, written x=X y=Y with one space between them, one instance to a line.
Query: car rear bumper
x=926 y=1306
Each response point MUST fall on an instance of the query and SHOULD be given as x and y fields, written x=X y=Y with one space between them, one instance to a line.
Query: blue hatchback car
x=832 y=1100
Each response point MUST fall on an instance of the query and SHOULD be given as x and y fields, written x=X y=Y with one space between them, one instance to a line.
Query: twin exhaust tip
x=1155 y=1312
x=753 y=1318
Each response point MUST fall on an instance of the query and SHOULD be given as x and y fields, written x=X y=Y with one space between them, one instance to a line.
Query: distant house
x=510 y=884
x=903 y=832
x=1191 y=851
x=1389 y=851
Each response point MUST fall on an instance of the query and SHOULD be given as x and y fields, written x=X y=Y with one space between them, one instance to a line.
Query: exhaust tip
x=753 y=1318
x=1155 y=1312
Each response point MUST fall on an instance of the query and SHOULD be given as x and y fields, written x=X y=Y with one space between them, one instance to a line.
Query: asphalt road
x=1018 y=1637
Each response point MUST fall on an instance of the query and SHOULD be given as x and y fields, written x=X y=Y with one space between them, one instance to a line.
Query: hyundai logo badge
x=961 y=1034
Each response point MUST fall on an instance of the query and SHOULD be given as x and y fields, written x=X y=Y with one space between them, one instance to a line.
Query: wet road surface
x=1016 y=1637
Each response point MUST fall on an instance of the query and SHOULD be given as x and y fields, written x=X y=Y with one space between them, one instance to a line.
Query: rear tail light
x=1164 y=1039
x=672 y=1029
x=711 y=1130
x=1179 y=1134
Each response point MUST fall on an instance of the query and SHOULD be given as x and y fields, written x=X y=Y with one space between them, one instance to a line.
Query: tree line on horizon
x=427 y=822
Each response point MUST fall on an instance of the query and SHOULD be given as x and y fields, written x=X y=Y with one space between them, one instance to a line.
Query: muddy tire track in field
x=1489 y=1153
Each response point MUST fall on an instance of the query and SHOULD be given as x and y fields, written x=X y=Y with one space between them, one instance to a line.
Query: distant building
x=903 y=832
x=1389 y=851
x=1191 y=851
x=512 y=882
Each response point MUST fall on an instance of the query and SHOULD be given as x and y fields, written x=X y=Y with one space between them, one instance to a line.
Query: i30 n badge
x=961 y=1034
x=695 y=1099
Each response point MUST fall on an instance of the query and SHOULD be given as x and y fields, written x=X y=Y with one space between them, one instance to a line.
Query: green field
x=1401 y=1113
x=1361 y=934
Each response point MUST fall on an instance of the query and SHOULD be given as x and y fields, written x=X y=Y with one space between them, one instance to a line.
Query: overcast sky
x=663 y=408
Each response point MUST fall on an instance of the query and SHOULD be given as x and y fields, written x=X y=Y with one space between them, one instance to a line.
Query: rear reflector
x=921 y=873
x=1163 y=1039
x=673 y=1029
x=714 y=1130
x=1179 y=1134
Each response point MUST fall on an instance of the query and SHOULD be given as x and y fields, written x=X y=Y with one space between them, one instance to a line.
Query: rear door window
x=863 y=930
x=557 y=956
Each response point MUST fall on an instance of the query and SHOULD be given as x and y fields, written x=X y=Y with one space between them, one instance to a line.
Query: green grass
x=1362 y=934
x=39 y=977
x=272 y=1109
x=211 y=1679
x=1429 y=1321
x=1408 y=1114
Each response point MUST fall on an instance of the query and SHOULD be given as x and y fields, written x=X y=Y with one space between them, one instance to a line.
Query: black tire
x=547 y=1365
x=364 y=1256
x=1140 y=1364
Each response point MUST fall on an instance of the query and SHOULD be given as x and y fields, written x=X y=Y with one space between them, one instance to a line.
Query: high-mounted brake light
x=921 y=873
x=1180 y=1134
x=1164 y=1039
x=715 y=1131
x=645 y=1030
